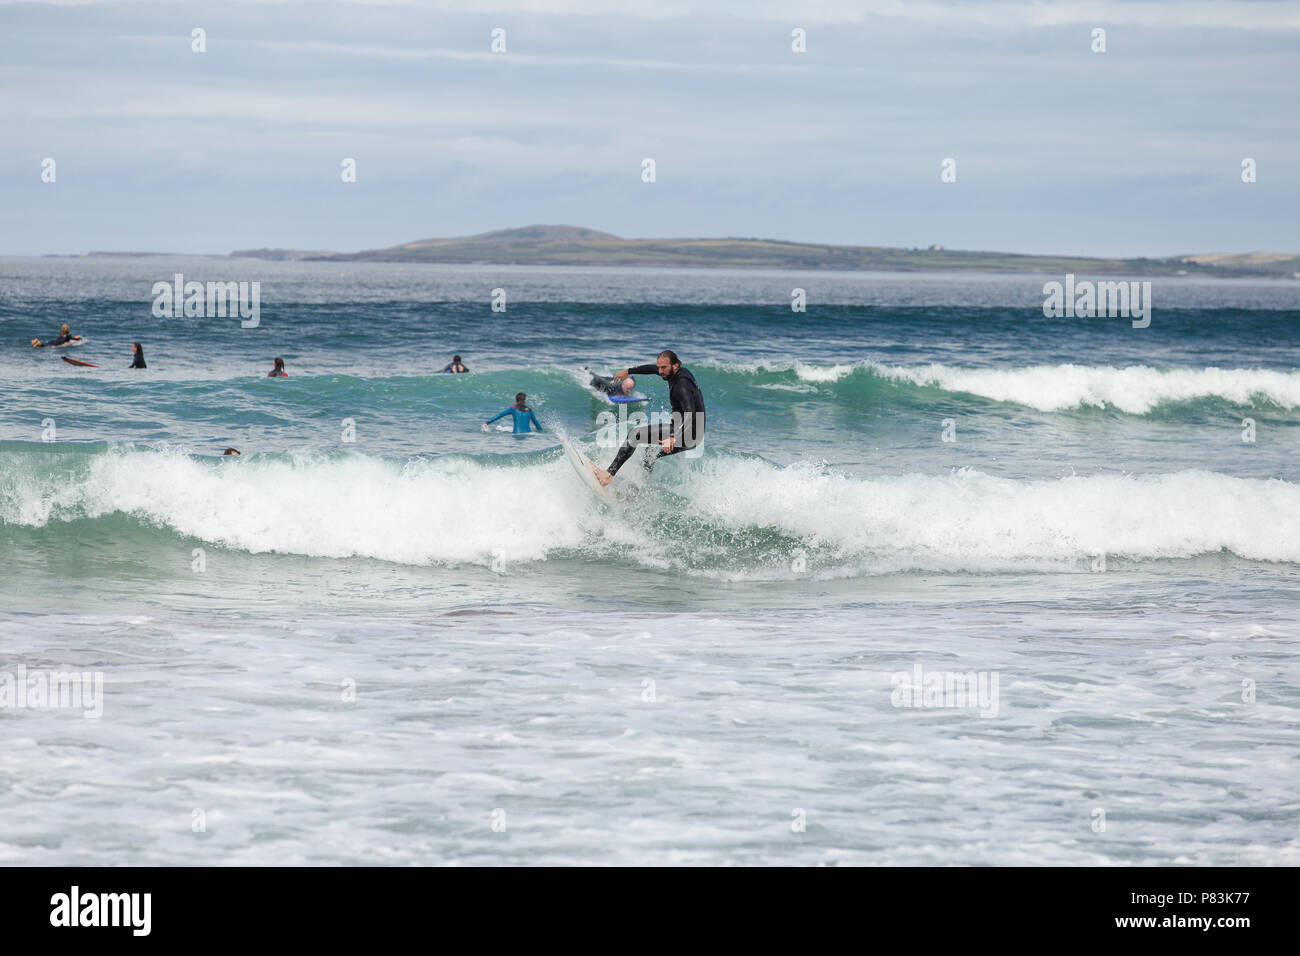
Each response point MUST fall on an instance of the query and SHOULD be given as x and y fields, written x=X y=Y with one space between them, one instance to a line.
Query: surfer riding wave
x=686 y=428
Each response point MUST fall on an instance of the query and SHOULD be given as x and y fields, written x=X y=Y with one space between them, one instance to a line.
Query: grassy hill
x=575 y=246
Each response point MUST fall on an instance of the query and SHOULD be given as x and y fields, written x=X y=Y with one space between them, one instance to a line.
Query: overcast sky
x=1136 y=151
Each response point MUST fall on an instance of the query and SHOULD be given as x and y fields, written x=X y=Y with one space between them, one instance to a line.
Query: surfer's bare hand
x=667 y=445
x=602 y=476
x=485 y=428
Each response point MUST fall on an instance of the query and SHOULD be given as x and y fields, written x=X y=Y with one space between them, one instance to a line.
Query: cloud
x=999 y=14
x=1135 y=151
x=516 y=58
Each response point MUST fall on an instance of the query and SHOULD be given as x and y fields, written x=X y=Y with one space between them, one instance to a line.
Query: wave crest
x=721 y=515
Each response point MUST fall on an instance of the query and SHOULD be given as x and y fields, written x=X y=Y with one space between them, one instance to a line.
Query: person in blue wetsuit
x=523 y=416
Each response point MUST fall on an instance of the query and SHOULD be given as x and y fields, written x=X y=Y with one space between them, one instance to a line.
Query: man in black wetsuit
x=684 y=432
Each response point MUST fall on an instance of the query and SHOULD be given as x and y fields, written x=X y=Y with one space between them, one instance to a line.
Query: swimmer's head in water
x=279 y=365
x=231 y=451
x=629 y=383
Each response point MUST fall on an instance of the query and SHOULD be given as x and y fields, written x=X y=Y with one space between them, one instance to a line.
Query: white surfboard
x=583 y=466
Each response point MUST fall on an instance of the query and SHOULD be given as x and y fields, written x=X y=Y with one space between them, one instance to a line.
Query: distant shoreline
x=576 y=246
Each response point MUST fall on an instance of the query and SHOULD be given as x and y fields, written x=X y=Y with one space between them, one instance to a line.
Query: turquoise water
x=917 y=471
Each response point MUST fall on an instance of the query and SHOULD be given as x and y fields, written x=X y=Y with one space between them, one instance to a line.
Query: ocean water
x=382 y=635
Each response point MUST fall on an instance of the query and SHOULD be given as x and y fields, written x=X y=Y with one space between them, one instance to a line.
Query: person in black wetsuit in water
x=611 y=386
x=65 y=336
x=686 y=429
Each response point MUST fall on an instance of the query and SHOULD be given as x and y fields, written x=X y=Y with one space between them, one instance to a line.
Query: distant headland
x=576 y=246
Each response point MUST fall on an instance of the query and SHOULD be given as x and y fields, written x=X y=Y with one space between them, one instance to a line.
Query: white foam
x=1135 y=389
x=456 y=510
x=970 y=519
x=822 y=373
x=805 y=371
x=784 y=387
x=419 y=512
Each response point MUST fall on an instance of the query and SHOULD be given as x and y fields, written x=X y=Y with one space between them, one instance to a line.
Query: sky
x=1057 y=148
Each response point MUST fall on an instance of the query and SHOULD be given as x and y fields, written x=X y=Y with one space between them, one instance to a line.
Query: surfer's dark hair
x=138 y=361
x=519 y=399
x=455 y=359
x=279 y=363
x=672 y=357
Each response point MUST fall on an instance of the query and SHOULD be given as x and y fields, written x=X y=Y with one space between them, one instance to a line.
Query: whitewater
x=452 y=511
x=379 y=633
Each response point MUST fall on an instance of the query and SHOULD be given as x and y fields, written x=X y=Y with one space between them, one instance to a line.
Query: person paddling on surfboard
x=523 y=416
x=456 y=366
x=686 y=429
x=611 y=386
x=65 y=336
